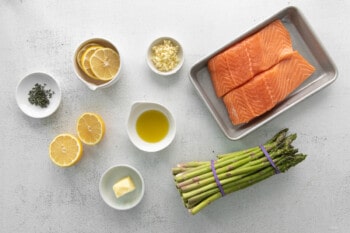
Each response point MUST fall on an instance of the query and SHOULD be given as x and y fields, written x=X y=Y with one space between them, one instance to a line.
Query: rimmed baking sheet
x=304 y=40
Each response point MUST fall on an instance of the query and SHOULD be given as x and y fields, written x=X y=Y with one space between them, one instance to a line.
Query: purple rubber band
x=217 y=178
x=270 y=159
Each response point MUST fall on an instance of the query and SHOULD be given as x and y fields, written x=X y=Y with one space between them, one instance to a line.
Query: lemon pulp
x=152 y=126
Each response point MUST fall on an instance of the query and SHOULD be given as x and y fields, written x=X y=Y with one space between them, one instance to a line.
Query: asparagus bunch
x=237 y=170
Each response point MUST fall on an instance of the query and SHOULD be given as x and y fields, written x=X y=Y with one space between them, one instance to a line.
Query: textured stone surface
x=37 y=196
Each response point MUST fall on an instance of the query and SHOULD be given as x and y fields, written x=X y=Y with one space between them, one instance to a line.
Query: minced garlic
x=165 y=56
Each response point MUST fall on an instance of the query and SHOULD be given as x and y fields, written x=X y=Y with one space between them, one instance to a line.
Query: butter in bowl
x=122 y=187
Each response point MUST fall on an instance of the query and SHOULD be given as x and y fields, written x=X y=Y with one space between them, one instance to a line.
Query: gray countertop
x=37 y=196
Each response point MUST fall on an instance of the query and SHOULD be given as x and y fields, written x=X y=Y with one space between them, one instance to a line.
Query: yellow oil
x=152 y=126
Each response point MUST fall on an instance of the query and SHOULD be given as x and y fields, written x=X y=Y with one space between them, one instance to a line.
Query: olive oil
x=152 y=126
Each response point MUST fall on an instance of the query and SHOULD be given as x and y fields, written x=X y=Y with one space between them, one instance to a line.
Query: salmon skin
x=242 y=61
x=267 y=89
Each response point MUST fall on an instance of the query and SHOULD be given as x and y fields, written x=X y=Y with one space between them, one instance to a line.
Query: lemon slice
x=90 y=128
x=81 y=53
x=85 y=60
x=105 y=63
x=65 y=150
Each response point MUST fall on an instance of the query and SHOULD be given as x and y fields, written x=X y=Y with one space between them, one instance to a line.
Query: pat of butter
x=123 y=186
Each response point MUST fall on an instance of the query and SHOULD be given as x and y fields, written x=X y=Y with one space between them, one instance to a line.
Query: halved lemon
x=90 y=128
x=65 y=150
x=105 y=63
x=85 y=60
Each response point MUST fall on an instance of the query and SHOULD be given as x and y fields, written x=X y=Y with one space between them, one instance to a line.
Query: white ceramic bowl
x=22 y=95
x=136 y=110
x=114 y=174
x=89 y=82
x=149 y=56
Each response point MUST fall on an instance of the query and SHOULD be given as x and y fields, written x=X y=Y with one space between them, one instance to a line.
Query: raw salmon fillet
x=257 y=53
x=267 y=89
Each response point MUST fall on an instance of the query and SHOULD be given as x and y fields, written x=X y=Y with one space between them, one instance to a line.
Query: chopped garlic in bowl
x=165 y=56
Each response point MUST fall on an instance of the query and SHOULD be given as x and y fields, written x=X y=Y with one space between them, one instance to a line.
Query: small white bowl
x=136 y=110
x=89 y=82
x=149 y=56
x=22 y=95
x=113 y=175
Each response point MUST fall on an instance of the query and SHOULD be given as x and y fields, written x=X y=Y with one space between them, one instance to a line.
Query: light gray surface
x=37 y=196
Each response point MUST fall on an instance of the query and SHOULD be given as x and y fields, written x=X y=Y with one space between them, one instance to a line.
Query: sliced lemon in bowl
x=85 y=60
x=65 y=150
x=90 y=128
x=105 y=63
x=82 y=51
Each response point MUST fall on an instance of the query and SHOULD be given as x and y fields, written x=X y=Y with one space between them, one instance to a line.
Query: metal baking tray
x=303 y=39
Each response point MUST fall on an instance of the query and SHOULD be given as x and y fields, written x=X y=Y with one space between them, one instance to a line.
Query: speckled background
x=37 y=196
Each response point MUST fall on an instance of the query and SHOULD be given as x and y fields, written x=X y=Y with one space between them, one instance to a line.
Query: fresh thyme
x=39 y=96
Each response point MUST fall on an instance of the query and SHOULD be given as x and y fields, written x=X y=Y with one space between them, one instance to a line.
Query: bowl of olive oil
x=151 y=126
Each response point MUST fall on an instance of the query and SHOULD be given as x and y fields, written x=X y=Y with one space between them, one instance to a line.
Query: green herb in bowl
x=39 y=96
